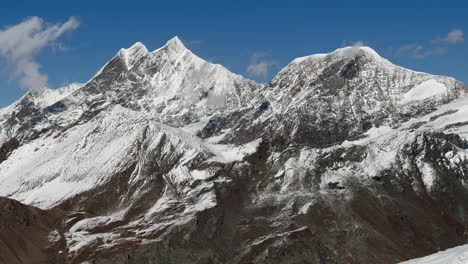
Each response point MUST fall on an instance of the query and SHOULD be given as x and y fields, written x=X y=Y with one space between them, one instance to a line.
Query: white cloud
x=354 y=50
x=260 y=64
x=259 y=68
x=453 y=37
x=19 y=44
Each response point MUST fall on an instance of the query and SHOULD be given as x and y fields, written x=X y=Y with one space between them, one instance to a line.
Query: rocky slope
x=29 y=235
x=163 y=157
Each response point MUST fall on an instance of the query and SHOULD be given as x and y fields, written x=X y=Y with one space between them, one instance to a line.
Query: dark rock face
x=449 y=112
x=25 y=117
x=214 y=126
x=264 y=106
x=56 y=107
x=30 y=235
x=351 y=69
x=7 y=147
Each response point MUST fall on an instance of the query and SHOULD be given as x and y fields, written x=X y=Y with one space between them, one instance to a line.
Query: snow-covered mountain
x=327 y=98
x=163 y=157
x=171 y=84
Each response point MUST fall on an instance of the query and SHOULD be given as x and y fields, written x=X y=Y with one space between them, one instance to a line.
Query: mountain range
x=163 y=157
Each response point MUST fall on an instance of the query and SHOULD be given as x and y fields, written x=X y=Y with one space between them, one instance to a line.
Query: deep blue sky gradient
x=230 y=32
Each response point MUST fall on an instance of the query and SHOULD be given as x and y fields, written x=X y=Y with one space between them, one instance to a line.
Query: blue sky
x=239 y=34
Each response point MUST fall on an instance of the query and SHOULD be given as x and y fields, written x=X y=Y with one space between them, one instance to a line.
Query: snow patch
x=456 y=255
x=425 y=90
x=200 y=174
x=428 y=174
x=231 y=153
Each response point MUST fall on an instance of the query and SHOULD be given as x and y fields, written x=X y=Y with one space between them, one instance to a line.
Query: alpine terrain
x=163 y=157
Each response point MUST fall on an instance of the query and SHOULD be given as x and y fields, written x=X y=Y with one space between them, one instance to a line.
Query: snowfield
x=425 y=90
x=457 y=255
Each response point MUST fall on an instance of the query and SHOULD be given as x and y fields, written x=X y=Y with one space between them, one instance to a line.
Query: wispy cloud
x=347 y=43
x=20 y=43
x=260 y=64
x=355 y=47
x=455 y=36
x=438 y=46
x=418 y=51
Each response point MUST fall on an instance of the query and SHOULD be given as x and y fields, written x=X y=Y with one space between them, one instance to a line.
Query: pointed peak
x=174 y=41
x=138 y=46
x=176 y=44
x=132 y=54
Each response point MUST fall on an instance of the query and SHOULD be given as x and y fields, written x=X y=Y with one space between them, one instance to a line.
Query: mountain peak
x=133 y=54
x=347 y=52
x=138 y=46
x=175 y=44
x=353 y=51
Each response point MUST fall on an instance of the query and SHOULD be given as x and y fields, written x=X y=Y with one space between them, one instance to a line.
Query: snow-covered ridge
x=133 y=54
x=48 y=97
x=171 y=82
x=371 y=70
x=44 y=97
x=176 y=52
x=351 y=52
x=180 y=88
x=310 y=57
x=175 y=44
x=348 y=52
x=139 y=50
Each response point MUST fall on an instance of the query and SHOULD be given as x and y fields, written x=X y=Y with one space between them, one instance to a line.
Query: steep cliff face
x=165 y=158
x=30 y=235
